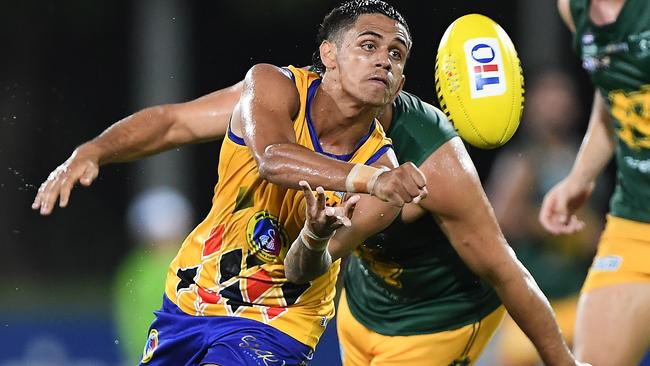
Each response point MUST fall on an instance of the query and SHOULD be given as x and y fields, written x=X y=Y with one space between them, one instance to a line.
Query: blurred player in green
x=612 y=37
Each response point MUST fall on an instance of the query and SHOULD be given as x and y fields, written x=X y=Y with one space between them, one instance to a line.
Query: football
x=479 y=81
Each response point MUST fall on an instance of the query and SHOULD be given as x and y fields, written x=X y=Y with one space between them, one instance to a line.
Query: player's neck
x=385 y=117
x=604 y=12
x=340 y=122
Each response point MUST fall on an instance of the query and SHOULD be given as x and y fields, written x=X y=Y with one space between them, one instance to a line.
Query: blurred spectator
x=158 y=220
x=540 y=156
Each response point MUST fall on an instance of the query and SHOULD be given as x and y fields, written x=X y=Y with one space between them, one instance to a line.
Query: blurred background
x=76 y=284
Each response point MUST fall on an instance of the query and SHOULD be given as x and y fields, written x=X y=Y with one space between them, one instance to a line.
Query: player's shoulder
x=272 y=83
x=417 y=128
x=269 y=74
x=408 y=106
x=295 y=71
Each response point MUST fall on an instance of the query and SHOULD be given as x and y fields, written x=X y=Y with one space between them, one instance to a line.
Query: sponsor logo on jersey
x=266 y=237
x=485 y=67
x=642 y=166
x=609 y=263
x=588 y=38
x=150 y=346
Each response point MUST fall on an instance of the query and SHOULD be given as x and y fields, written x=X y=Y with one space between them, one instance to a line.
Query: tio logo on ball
x=485 y=67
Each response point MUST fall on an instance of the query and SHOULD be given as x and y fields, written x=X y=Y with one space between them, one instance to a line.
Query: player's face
x=371 y=58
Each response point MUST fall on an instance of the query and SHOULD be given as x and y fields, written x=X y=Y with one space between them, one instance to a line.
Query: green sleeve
x=417 y=129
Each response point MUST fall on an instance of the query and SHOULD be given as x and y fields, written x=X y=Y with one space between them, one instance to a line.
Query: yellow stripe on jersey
x=232 y=263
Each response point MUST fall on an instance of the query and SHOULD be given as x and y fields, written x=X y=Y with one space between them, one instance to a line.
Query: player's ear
x=328 y=54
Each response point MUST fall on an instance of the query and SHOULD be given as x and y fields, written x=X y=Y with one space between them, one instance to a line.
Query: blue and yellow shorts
x=176 y=338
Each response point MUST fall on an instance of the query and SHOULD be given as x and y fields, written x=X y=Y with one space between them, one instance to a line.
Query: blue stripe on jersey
x=312 y=131
x=240 y=141
x=234 y=138
x=378 y=154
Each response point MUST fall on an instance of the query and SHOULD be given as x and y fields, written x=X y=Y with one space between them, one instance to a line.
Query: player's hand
x=557 y=214
x=81 y=167
x=401 y=185
x=323 y=220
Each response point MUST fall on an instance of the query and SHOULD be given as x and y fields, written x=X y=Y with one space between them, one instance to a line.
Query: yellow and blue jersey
x=231 y=264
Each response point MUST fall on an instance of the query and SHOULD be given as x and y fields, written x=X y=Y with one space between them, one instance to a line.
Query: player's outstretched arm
x=264 y=117
x=557 y=214
x=146 y=132
x=466 y=217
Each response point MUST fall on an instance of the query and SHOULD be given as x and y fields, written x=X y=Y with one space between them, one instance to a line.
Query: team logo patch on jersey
x=150 y=346
x=608 y=263
x=485 y=67
x=632 y=110
x=266 y=237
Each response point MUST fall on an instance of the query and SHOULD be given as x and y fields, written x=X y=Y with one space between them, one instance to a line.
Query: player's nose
x=382 y=60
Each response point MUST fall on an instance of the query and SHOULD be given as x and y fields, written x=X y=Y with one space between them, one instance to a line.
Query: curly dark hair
x=343 y=17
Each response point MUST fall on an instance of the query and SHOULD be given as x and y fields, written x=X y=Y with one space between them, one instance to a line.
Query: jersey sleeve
x=417 y=129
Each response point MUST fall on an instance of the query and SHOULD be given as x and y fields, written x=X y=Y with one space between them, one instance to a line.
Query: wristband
x=362 y=178
x=321 y=243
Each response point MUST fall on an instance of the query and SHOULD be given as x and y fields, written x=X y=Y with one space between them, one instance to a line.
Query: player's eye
x=368 y=46
x=396 y=54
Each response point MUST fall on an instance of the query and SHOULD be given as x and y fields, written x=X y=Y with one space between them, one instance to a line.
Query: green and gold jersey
x=617 y=58
x=408 y=279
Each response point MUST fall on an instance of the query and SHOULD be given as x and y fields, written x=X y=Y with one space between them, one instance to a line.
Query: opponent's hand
x=401 y=185
x=557 y=214
x=81 y=167
x=321 y=219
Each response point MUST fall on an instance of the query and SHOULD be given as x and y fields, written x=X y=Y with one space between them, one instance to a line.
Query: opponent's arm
x=597 y=148
x=466 y=217
x=143 y=133
x=310 y=256
x=264 y=117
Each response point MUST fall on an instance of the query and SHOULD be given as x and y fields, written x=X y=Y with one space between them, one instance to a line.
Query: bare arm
x=598 y=145
x=166 y=126
x=466 y=217
x=561 y=202
x=304 y=264
x=264 y=117
x=369 y=215
x=269 y=102
x=143 y=133
x=565 y=13
x=308 y=257
x=597 y=148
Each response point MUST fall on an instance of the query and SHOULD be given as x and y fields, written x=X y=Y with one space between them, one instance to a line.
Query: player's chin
x=376 y=99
